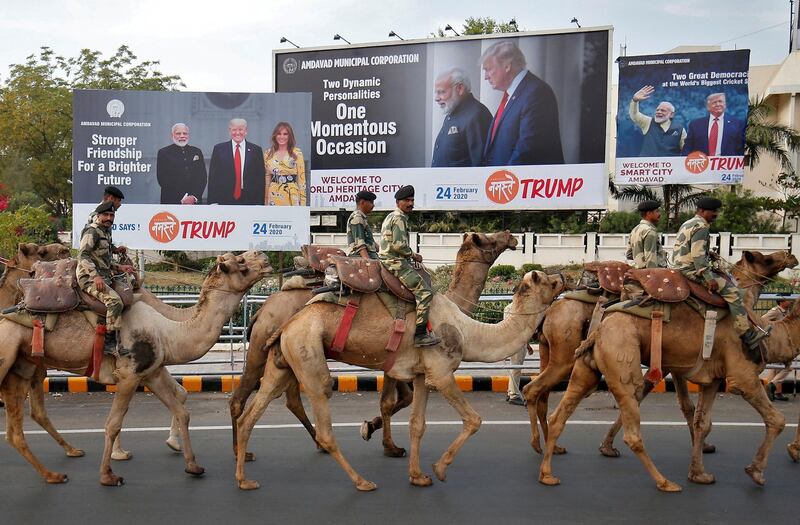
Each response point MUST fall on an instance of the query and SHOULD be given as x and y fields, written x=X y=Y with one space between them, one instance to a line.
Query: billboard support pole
x=140 y=259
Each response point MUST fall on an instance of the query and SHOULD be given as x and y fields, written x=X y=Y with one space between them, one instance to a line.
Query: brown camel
x=153 y=342
x=477 y=254
x=622 y=344
x=304 y=338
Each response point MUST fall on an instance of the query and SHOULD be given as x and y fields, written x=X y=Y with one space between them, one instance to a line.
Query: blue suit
x=221 y=175
x=460 y=141
x=528 y=131
x=732 y=136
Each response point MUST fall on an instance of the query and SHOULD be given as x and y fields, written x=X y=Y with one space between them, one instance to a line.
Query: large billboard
x=514 y=121
x=199 y=171
x=681 y=118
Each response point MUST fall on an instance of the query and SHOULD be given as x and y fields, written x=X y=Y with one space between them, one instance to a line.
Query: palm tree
x=766 y=137
x=676 y=196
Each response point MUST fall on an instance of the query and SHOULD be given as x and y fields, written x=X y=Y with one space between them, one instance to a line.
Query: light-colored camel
x=301 y=357
x=476 y=255
x=152 y=341
x=622 y=344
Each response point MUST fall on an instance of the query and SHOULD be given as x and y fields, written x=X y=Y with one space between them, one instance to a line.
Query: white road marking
x=717 y=424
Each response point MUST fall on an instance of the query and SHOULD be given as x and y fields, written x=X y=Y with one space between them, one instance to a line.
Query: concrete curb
x=341 y=383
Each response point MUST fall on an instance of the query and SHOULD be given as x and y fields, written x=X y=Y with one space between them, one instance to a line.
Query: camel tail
x=252 y=323
x=586 y=346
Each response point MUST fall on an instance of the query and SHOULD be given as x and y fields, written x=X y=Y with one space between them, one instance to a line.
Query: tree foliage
x=25 y=225
x=36 y=115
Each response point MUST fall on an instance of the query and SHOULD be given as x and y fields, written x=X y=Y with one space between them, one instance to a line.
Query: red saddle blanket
x=610 y=274
x=671 y=286
x=367 y=275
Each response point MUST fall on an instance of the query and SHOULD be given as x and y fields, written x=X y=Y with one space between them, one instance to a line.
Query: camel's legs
x=416 y=427
x=39 y=413
x=582 y=381
x=687 y=408
x=607 y=446
x=163 y=386
x=14 y=390
x=623 y=374
x=248 y=383
x=448 y=387
x=774 y=421
x=273 y=384
x=295 y=405
x=395 y=396
x=536 y=396
x=700 y=427
x=126 y=388
x=173 y=441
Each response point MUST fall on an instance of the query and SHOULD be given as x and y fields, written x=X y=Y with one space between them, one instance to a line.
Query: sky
x=227 y=46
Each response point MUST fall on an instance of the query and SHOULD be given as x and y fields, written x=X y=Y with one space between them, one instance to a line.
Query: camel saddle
x=318 y=257
x=54 y=288
x=671 y=286
x=610 y=274
x=367 y=275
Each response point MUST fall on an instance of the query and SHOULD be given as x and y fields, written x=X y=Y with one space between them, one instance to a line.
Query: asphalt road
x=493 y=479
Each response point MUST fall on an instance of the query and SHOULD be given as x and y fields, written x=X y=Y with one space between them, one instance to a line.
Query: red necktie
x=237 y=167
x=713 y=137
x=499 y=114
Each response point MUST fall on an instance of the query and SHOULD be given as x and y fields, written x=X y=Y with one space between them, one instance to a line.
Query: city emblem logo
x=164 y=227
x=289 y=66
x=502 y=186
x=115 y=108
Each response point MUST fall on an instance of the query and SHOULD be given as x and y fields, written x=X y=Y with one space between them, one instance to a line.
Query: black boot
x=424 y=338
x=110 y=343
x=752 y=337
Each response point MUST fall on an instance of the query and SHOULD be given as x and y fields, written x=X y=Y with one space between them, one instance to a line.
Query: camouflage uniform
x=644 y=247
x=395 y=254
x=94 y=259
x=359 y=235
x=691 y=258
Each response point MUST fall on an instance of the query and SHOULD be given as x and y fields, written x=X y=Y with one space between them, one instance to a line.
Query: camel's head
x=29 y=253
x=486 y=247
x=539 y=285
x=240 y=272
x=759 y=265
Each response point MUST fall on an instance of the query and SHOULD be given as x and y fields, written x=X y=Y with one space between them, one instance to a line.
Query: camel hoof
x=365 y=431
x=121 y=455
x=704 y=478
x=195 y=470
x=558 y=451
x=609 y=451
x=111 y=480
x=421 y=481
x=75 y=453
x=756 y=475
x=440 y=471
x=249 y=456
x=537 y=447
x=394 y=452
x=174 y=443
x=708 y=448
x=794 y=451
x=548 y=479
x=249 y=484
x=366 y=486
x=55 y=477
x=668 y=486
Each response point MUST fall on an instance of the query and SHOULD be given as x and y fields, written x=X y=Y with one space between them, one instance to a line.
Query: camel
x=152 y=343
x=622 y=343
x=301 y=357
x=475 y=256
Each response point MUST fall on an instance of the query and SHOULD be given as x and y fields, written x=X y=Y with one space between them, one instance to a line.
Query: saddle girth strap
x=398 y=329
x=654 y=375
x=93 y=370
x=345 y=324
x=37 y=340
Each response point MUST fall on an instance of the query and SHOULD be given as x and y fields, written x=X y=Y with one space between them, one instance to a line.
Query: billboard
x=514 y=121
x=199 y=171
x=681 y=118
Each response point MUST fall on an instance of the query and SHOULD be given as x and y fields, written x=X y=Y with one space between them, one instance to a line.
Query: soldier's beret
x=709 y=203
x=404 y=193
x=105 y=207
x=114 y=192
x=366 y=195
x=648 y=206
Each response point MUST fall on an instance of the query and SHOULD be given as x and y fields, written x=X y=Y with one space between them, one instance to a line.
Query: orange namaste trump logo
x=502 y=186
x=696 y=162
x=164 y=226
